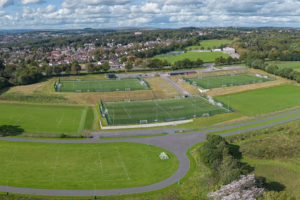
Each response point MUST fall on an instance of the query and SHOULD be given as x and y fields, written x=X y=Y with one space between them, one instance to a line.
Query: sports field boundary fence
x=57 y=87
x=248 y=82
x=161 y=119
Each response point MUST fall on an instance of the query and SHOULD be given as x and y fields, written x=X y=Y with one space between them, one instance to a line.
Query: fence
x=227 y=83
x=162 y=118
x=146 y=83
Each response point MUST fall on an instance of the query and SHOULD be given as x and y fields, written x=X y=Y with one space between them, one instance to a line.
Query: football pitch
x=101 y=86
x=81 y=166
x=38 y=119
x=227 y=81
x=159 y=111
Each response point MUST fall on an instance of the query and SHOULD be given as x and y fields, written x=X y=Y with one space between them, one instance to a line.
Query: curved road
x=176 y=143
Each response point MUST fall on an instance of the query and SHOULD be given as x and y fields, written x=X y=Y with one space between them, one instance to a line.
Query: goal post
x=127 y=89
x=78 y=80
x=143 y=121
x=78 y=91
x=118 y=79
x=127 y=100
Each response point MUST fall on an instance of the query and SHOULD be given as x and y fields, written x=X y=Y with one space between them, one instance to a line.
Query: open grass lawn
x=264 y=100
x=227 y=80
x=159 y=111
x=210 y=43
x=38 y=119
x=285 y=63
x=205 y=56
x=101 y=86
x=81 y=166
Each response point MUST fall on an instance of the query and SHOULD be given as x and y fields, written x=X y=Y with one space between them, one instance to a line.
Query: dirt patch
x=93 y=98
x=161 y=88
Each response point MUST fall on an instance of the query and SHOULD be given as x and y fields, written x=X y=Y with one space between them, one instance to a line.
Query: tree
x=3 y=82
x=273 y=68
x=123 y=59
x=74 y=69
x=49 y=70
x=128 y=66
x=90 y=68
x=199 y=62
x=57 y=70
x=245 y=188
x=138 y=61
x=105 y=67
x=229 y=60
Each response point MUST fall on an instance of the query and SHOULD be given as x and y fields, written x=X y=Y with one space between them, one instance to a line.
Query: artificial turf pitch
x=101 y=86
x=81 y=166
x=159 y=111
x=38 y=119
x=227 y=81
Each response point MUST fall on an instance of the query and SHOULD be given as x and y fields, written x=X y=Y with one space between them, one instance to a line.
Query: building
x=217 y=50
x=186 y=72
x=138 y=33
x=229 y=50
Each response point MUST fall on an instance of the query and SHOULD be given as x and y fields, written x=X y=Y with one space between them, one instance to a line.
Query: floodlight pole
x=95 y=192
x=114 y=115
x=228 y=103
x=7 y=189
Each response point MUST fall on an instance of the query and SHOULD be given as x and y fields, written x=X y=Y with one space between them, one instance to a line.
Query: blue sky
x=65 y=14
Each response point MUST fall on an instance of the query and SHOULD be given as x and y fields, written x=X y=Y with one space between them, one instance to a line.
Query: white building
x=217 y=50
x=229 y=50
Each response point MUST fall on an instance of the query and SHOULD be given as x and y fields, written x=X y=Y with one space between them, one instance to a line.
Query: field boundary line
x=82 y=120
x=55 y=165
x=117 y=164
x=164 y=110
x=10 y=161
x=196 y=106
x=220 y=107
x=22 y=116
x=123 y=163
x=100 y=162
x=126 y=112
x=60 y=120
x=74 y=120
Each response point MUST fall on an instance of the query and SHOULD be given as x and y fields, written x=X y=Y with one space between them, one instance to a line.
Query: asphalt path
x=178 y=144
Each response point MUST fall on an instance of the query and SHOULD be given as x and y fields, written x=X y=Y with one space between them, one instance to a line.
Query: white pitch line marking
x=123 y=163
x=164 y=110
x=10 y=161
x=55 y=165
x=60 y=120
x=127 y=112
x=100 y=162
x=22 y=116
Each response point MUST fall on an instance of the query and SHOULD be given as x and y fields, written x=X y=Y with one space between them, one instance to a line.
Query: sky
x=73 y=14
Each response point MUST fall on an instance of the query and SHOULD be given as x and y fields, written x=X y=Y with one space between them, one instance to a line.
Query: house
x=55 y=53
x=229 y=50
x=217 y=50
x=53 y=64
x=186 y=72
x=138 y=33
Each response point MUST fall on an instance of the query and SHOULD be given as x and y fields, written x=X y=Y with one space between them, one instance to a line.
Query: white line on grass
x=22 y=116
x=100 y=162
x=123 y=163
x=117 y=163
x=196 y=106
x=163 y=110
x=60 y=120
x=10 y=161
x=55 y=165
x=127 y=112
x=74 y=120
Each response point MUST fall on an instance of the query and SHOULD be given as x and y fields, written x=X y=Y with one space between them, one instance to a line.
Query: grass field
x=37 y=119
x=264 y=100
x=285 y=63
x=81 y=166
x=210 y=43
x=226 y=81
x=159 y=111
x=205 y=56
x=101 y=86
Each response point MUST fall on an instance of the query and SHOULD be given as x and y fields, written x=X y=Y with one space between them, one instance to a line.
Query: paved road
x=176 y=143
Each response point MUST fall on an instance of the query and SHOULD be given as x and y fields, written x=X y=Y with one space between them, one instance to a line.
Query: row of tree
x=273 y=69
x=226 y=61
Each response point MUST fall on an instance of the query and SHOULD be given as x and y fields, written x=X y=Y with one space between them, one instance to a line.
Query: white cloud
x=24 y=2
x=49 y=9
x=2 y=13
x=105 y=2
x=6 y=3
x=28 y=10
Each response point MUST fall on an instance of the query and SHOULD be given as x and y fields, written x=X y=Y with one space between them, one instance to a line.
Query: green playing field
x=227 y=81
x=159 y=111
x=39 y=119
x=102 y=86
x=81 y=166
